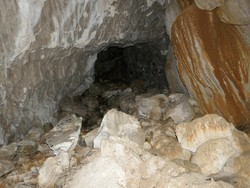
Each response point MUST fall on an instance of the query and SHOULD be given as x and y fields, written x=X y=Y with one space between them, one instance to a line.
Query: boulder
x=193 y=134
x=116 y=123
x=213 y=155
x=213 y=62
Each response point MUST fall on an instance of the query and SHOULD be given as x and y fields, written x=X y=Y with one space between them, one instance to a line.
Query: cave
x=144 y=62
x=149 y=93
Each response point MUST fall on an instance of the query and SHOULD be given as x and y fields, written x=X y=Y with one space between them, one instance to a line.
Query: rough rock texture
x=64 y=136
x=175 y=83
x=213 y=61
x=213 y=155
x=52 y=168
x=193 y=134
x=50 y=47
x=131 y=166
x=208 y=5
x=235 y=12
x=116 y=123
x=160 y=107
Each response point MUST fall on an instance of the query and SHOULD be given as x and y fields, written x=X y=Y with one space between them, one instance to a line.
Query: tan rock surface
x=213 y=155
x=213 y=61
x=193 y=134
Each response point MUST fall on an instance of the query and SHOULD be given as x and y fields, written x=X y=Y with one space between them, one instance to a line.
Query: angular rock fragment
x=182 y=112
x=8 y=151
x=125 y=164
x=64 y=136
x=153 y=107
x=117 y=123
x=90 y=136
x=5 y=167
x=52 y=168
x=26 y=148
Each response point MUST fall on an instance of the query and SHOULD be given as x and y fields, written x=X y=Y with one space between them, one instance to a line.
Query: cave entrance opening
x=140 y=64
x=121 y=75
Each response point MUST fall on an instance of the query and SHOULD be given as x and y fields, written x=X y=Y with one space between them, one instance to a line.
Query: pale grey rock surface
x=235 y=12
x=154 y=107
x=198 y=181
x=52 y=168
x=116 y=123
x=5 y=167
x=64 y=136
x=175 y=83
x=172 y=11
x=182 y=112
x=209 y=5
x=213 y=155
x=128 y=166
x=50 y=47
x=177 y=106
x=90 y=136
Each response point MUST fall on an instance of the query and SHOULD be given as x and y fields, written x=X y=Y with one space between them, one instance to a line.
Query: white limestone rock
x=169 y=147
x=52 y=168
x=177 y=106
x=90 y=136
x=125 y=164
x=116 y=123
x=64 y=136
x=213 y=155
x=183 y=112
x=193 y=134
x=154 y=107
x=196 y=180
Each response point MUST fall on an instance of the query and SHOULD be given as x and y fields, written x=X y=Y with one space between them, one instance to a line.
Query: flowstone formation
x=214 y=57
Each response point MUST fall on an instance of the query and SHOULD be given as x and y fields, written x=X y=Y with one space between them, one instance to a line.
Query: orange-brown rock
x=214 y=63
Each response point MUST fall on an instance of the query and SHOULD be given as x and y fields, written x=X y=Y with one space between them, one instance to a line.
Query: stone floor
x=118 y=135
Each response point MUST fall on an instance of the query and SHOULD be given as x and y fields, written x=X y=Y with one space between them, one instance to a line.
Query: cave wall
x=211 y=44
x=49 y=47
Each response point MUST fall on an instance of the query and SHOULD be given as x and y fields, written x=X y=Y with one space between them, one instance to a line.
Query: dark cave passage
x=143 y=62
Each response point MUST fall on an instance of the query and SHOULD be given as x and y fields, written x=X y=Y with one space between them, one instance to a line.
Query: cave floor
x=35 y=162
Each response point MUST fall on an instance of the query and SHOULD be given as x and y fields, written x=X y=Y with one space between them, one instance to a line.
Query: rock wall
x=214 y=59
x=49 y=47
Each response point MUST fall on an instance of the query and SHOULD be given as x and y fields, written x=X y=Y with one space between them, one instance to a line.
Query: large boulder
x=213 y=62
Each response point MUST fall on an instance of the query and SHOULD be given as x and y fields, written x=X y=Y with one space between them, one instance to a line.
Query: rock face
x=48 y=49
x=213 y=62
